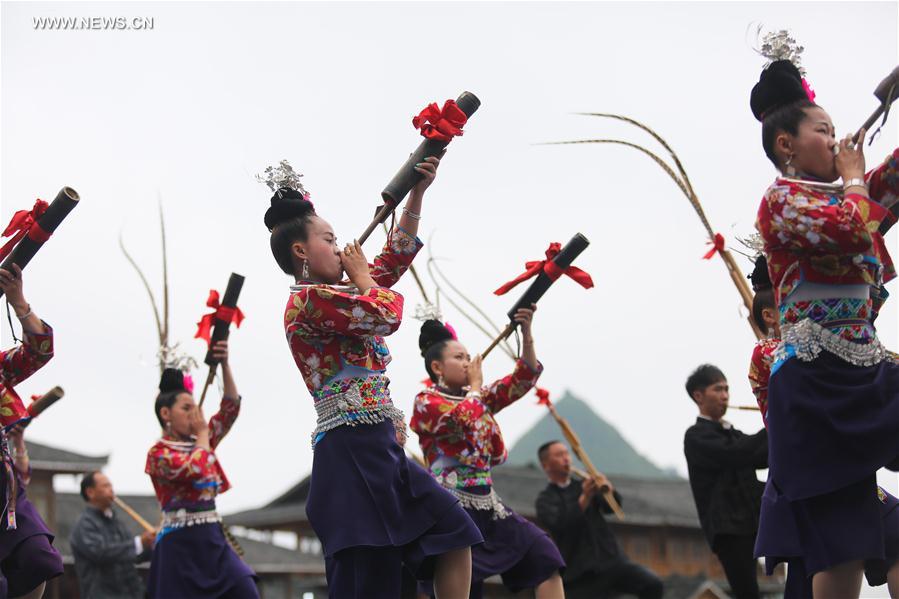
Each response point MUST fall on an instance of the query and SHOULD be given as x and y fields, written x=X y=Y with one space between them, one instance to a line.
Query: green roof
x=605 y=446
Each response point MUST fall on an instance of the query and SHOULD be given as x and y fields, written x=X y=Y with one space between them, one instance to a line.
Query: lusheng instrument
x=31 y=229
x=886 y=92
x=45 y=401
x=578 y=449
x=432 y=146
x=606 y=493
x=548 y=271
x=224 y=315
x=133 y=513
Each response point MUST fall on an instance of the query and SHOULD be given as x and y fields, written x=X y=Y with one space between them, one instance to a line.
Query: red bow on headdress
x=551 y=270
x=225 y=313
x=542 y=397
x=717 y=246
x=24 y=222
x=440 y=124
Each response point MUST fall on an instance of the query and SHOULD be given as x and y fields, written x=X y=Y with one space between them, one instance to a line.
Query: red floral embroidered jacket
x=184 y=474
x=760 y=373
x=819 y=234
x=328 y=328
x=465 y=428
x=18 y=364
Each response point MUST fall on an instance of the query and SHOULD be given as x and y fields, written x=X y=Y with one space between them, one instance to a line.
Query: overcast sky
x=190 y=110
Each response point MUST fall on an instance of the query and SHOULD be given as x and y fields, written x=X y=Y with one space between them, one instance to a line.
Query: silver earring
x=441 y=382
x=789 y=170
x=306 y=269
x=168 y=426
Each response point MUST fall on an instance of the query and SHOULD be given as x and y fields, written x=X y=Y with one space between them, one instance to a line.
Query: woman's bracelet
x=412 y=215
x=26 y=315
x=854 y=182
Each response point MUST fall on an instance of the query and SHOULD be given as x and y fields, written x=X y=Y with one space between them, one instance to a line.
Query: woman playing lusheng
x=192 y=558
x=373 y=510
x=27 y=557
x=833 y=395
x=461 y=440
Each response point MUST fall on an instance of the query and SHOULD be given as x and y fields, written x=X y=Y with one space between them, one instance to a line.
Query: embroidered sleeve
x=221 y=422
x=168 y=465
x=436 y=415
x=395 y=258
x=760 y=372
x=27 y=358
x=883 y=187
x=792 y=217
x=323 y=310
x=511 y=387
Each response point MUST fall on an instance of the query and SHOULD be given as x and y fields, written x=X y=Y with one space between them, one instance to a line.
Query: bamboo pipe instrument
x=133 y=513
x=578 y=450
x=406 y=178
x=606 y=493
x=886 y=93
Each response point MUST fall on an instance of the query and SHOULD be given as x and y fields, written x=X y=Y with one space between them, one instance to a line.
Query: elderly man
x=572 y=511
x=105 y=552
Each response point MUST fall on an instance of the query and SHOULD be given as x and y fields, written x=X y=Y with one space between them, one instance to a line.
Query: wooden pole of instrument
x=209 y=379
x=606 y=493
x=578 y=450
x=45 y=401
x=748 y=408
x=133 y=513
x=510 y=328
x=886 y=93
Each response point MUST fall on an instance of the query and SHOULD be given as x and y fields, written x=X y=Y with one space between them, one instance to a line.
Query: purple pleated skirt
x=365 y=493
x=514 y=548
x=196 y=562
x=831 y=426
x=27 y=557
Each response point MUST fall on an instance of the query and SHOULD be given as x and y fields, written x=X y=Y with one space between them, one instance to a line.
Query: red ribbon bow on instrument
x=542 y=397
x=24 y=222
x=440 y=124
x=717 y=246
x=552 y=271
x=225 y=313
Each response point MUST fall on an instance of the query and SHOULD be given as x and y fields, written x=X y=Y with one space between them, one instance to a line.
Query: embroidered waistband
x=352 y=401
x=849 y=318
x=461 y=477
x=807 y=339
x=181 y=518
x=473 y=501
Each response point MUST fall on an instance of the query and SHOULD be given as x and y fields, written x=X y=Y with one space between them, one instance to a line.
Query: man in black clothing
x=722 y=462
x=105 y=552
x=572 y=511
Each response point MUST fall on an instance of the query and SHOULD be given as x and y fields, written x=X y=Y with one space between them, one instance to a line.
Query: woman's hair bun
x=779 y=84
x=759 y=277
x=432 y=331
x=172 y=380
x=287 y=204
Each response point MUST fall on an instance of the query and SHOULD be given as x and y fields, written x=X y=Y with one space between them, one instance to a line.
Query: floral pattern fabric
x=760 y=372
x=185 y=475
x=18 y=364
x=816 y=233
x=328 y=329
x=464 y=428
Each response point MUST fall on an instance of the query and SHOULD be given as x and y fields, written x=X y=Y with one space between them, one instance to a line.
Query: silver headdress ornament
x=283 y=175
x=172 y=358
x=754 y=243
x=779 y=45
x=428 y=311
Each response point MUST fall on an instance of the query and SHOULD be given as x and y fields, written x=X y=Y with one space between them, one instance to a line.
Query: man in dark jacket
x=573 y=513
x=105 y=552
x=722 y=462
